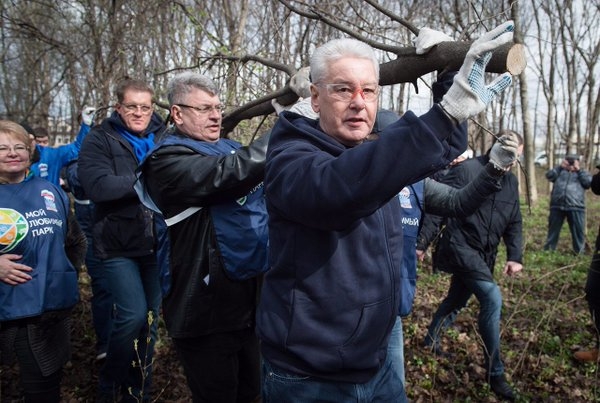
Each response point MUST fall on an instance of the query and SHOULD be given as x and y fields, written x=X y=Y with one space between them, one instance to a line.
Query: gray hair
x=182 y=84
x=337 y=49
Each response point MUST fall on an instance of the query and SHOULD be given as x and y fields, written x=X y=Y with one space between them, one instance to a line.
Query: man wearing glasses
x=330 y=298
x=210 y=192
x=124 y=238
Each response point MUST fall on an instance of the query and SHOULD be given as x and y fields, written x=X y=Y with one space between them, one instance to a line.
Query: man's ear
x=176 y=115
x=314 y=98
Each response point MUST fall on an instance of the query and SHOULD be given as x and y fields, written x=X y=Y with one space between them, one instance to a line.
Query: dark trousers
x=592 y=291
x=36 y=387
x=222 y=367
x=576 y=221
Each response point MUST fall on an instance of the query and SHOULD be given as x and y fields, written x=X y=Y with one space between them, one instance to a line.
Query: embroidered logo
x=404 y=197
x=13 y=228
x=49 y=200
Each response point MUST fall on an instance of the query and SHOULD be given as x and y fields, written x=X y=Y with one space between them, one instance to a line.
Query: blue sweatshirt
x=331 y=296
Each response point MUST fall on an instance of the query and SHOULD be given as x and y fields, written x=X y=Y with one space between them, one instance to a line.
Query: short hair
x=337 y=49
x=16 y=131
x=40 y=132
x=132 y=84
x=182 y=84
x=510 y=132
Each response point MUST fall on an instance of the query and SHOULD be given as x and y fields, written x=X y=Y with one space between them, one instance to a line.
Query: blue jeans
x=490 y=307
x=282 y=387
x=396 y=350
x=576 y=221
x=134 y=285
x=101 y=302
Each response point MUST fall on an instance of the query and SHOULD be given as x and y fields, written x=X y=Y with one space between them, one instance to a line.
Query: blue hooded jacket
x=331 y=297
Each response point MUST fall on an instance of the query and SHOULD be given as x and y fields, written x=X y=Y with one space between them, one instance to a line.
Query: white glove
x=87 y=115
x=504 y=152
x=469 y=95
x=300 y=82
x=428 y=38
x=304 y=108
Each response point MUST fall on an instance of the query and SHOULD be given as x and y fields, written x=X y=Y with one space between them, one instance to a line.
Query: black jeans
x=592 y=291
x=222 y=367
x=36 y=387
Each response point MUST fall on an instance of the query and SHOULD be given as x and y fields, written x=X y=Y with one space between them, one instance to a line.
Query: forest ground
x=545 y=319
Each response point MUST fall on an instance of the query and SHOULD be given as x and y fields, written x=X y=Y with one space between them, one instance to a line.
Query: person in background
x=101 y=301
x=330 y=298
x=468 y=248
x=49 y=161
x=568 y=201
x=430 y=196
x=211 y=194
x=433 y=225
x=592 y=286
x=124 y=238
x=41 y=248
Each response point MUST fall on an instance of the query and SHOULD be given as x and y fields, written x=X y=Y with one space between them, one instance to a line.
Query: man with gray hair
x=209 y=189
x=330 y=298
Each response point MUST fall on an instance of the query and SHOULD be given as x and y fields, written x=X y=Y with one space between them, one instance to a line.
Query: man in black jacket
x=124 y=238
x=211 y=194
x=468 y=248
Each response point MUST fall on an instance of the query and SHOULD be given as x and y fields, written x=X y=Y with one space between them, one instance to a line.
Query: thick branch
x=405 y=69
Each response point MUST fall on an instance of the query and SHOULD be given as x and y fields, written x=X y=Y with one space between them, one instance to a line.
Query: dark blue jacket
x=411 y=203
x=123 y=226
x=33 y=216
x=330 y=299
x=53 y=159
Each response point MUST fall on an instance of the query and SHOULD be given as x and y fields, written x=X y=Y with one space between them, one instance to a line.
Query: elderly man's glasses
x=204 y=109
x=346 y=93
x=133 y=108
x=18 y=149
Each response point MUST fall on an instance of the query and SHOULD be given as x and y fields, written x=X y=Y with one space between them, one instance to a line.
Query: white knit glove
x=504 y=152
x=300 y=82
x=87 y=115
x=428 y=38
x=469 y=95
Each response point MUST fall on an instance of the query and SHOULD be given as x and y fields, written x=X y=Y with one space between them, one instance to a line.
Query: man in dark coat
x=468 y=248
x=124 y=238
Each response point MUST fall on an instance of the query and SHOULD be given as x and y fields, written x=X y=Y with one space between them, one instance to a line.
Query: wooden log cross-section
x=407 y=68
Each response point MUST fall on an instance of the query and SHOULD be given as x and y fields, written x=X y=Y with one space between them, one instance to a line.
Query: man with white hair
x=330 y=298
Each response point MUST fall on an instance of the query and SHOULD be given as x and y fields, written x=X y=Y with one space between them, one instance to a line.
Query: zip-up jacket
x=123 y=226
x=469 y=245
x=568 y=192
x=202 y=299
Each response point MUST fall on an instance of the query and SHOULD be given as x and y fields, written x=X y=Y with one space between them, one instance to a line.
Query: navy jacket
x=330 y=299
x=123 y=226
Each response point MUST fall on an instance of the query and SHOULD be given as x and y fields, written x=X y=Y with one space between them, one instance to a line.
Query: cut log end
x=516 y=60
